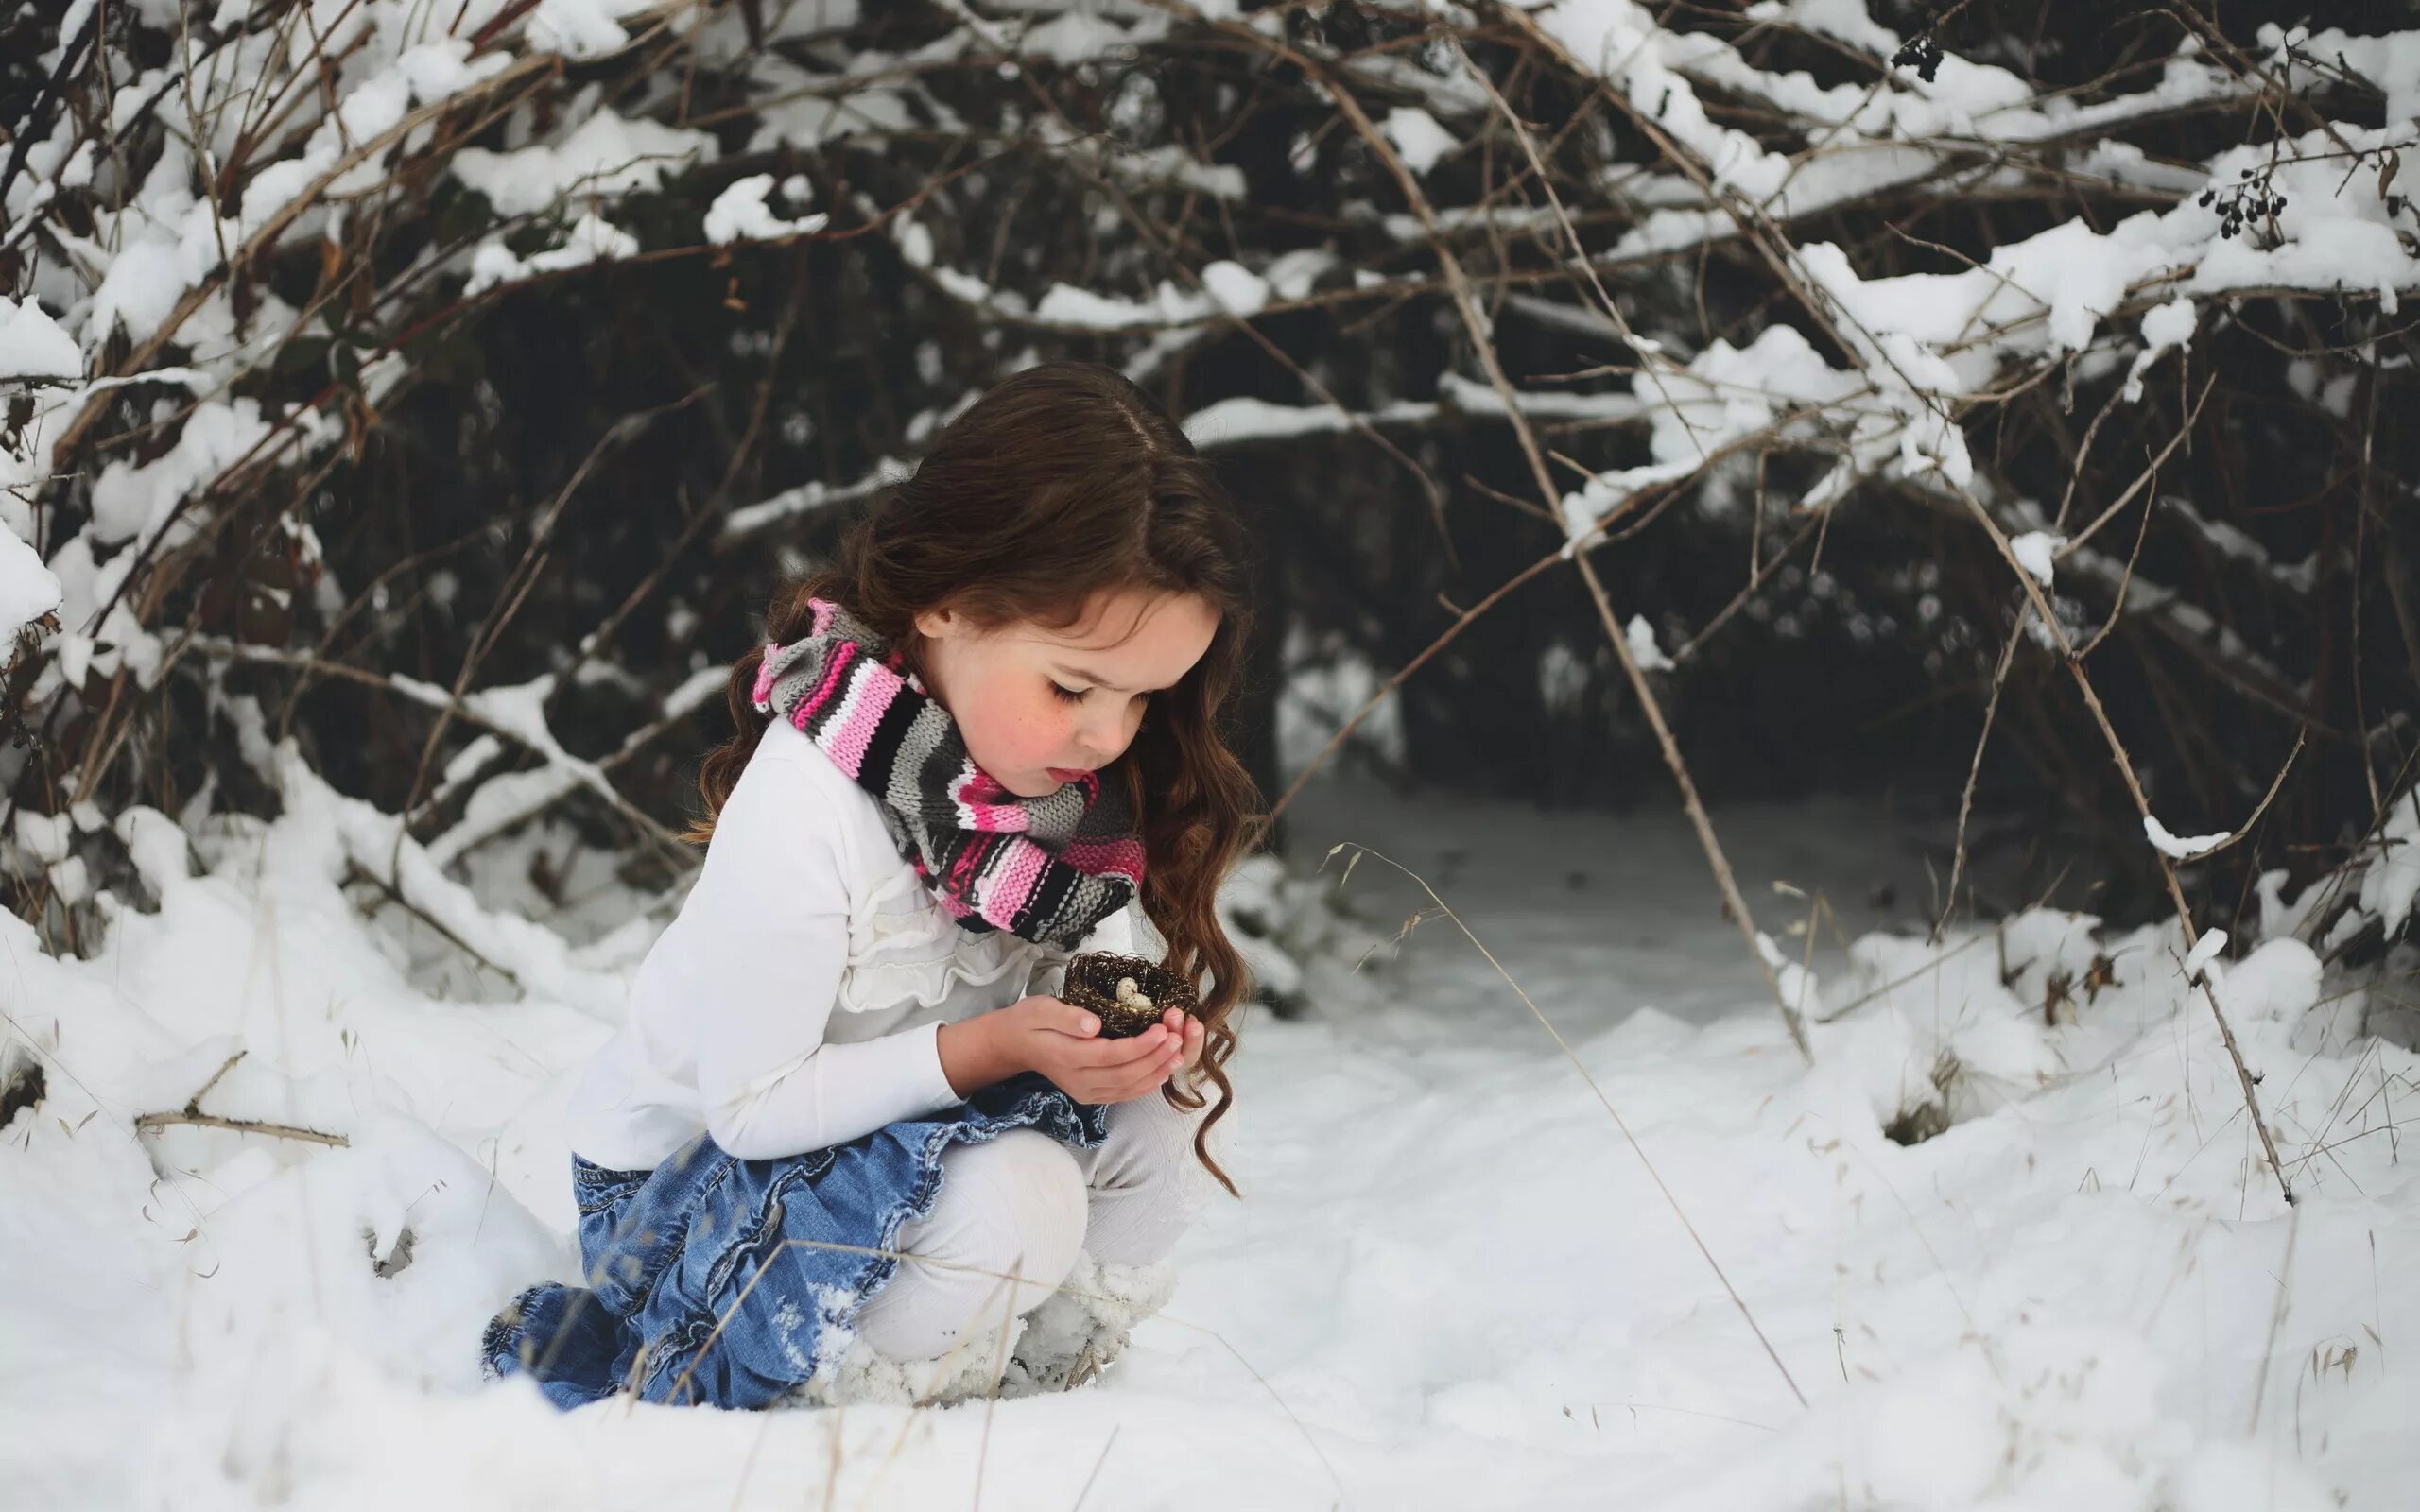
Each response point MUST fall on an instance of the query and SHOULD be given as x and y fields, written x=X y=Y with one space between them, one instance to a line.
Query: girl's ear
x=933 y=623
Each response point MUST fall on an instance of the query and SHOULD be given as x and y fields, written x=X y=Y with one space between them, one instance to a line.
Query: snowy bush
x=439 y=389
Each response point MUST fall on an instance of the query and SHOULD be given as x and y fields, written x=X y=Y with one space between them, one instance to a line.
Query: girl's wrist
x=975 y=1053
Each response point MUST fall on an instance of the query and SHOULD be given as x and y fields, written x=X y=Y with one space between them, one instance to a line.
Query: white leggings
x=1022 y=1203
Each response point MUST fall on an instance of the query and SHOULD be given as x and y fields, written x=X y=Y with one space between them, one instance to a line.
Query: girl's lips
x=1067 y=774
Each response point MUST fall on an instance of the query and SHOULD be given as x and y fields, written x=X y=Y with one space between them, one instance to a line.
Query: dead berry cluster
x=1921 y=53
x=2254 y=198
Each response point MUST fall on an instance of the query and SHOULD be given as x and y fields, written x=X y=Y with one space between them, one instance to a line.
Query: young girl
x=988 y=728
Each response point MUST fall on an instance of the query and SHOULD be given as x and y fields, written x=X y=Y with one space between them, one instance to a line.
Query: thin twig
x=1975 y=769
x=242 y=1125
x=192 y=1115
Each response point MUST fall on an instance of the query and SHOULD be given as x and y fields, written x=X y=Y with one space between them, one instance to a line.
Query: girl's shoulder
x=789 y=784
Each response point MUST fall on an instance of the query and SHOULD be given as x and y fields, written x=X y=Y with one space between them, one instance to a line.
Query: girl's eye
x=1067 y=694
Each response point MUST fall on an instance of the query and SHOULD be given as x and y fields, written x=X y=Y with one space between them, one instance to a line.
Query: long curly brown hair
x=1065 y=481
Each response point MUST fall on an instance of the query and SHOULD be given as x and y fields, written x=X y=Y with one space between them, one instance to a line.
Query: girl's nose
x=1101 y=738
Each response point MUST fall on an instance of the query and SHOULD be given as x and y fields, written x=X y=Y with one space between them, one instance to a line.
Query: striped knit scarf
x=1045 y=869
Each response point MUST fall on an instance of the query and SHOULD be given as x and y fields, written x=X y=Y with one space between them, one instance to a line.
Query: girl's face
x=1039 y=707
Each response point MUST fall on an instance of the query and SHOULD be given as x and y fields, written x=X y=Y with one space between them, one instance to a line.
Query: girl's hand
x=1063 y=1042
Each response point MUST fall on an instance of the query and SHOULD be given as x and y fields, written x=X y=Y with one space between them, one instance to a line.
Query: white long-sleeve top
x=796 y=1001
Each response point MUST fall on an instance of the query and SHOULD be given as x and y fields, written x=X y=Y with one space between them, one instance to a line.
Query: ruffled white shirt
x=796 y=1001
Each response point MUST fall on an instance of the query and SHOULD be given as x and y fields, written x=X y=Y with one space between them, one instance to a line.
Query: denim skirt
x=726 y=1282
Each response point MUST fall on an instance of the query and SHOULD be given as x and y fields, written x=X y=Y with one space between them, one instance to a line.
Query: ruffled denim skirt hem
x=720 y=1282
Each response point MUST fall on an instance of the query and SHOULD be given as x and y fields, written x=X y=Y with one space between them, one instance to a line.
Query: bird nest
x=1126 y=992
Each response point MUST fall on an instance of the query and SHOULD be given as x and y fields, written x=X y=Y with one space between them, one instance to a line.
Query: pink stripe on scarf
x=1123 y=856
x=1012 y=880
x=843 y=656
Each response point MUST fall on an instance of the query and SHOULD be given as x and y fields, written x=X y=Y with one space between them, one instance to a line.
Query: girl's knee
x=1002 y=1237
x=1012 y=1204
x=1027 y=1184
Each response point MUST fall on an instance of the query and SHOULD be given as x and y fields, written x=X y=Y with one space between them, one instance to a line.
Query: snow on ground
x=1453 y=1283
